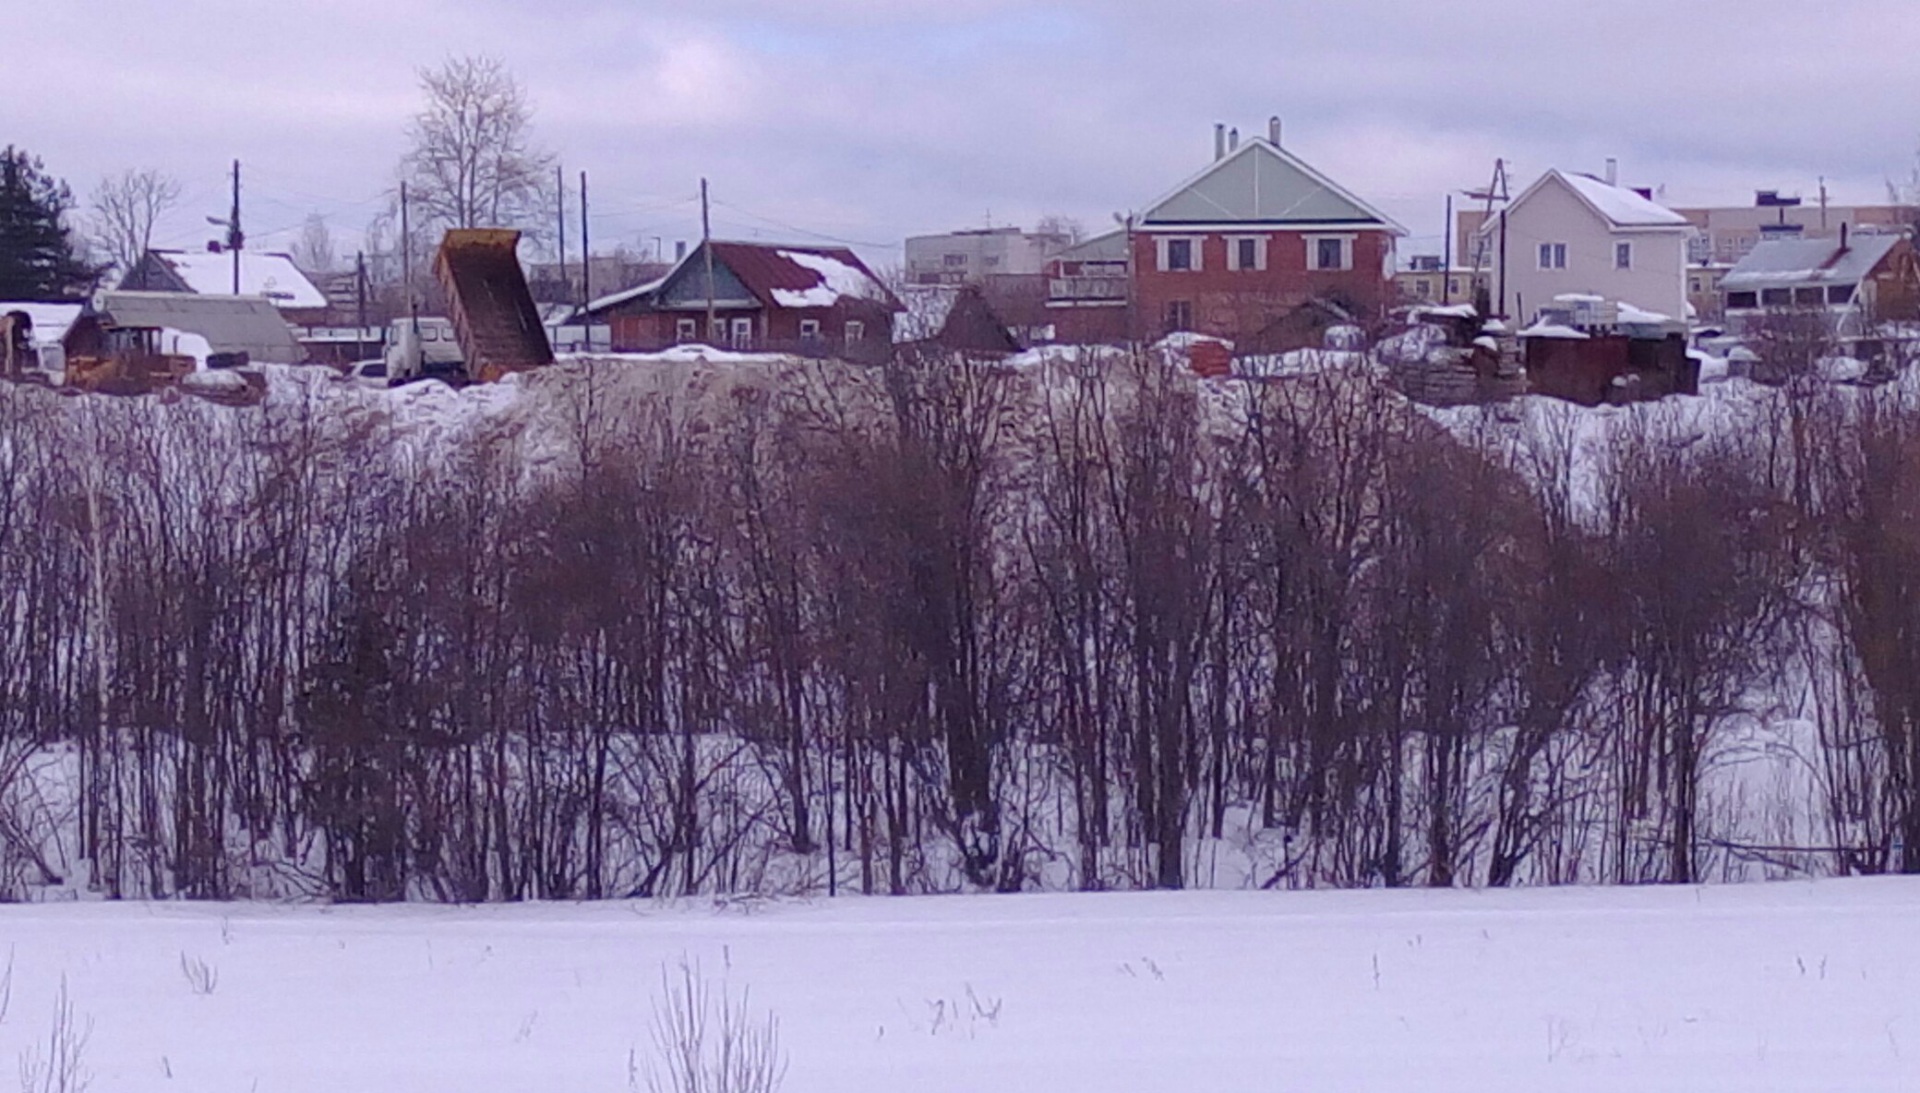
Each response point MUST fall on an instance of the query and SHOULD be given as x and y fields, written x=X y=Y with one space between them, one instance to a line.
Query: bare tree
x=471 y=160
x=125 y=207
x=314 y=251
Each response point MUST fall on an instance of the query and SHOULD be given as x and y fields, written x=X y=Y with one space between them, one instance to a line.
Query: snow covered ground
x=1792 y=986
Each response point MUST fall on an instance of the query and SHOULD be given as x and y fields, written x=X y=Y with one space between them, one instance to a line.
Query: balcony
x=1086 y=290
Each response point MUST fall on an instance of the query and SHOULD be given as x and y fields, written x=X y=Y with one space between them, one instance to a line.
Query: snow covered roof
x=1554 y=330
x=1782 y=263
x=1111 y=247
x=797 y=276
x=1262 y=183
x=613 y=299
x=230 y=324
x=262 y=273
x=1617 y=205
x=50 y=321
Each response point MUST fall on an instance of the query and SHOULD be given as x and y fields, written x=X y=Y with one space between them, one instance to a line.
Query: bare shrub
x=709 y=1039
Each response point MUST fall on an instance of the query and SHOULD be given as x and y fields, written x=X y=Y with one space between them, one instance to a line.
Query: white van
x=440 y=353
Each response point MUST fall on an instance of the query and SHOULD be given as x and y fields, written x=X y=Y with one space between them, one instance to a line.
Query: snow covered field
x=1793 y=986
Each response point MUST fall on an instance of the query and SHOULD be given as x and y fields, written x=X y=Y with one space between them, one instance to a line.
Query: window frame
x=809 y=330
x=1552 y=256
x=854 y=331
x=1314 y=254
x=1623 y=254
x=1237 y=262
x=1195 y=251
x=686 y=331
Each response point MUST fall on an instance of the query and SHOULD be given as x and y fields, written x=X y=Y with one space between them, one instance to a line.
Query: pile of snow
x=1754 y=989
x=1629 y=314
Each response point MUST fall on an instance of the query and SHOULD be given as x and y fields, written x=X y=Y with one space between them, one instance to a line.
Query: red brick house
x=1242 y=250
x=813 y=300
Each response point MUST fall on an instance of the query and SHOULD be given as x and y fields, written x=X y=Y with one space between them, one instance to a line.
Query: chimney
x=1233 y=139
x=1219 y=142
x=1613 y=171
x=1273 y=130
x=1843 y=237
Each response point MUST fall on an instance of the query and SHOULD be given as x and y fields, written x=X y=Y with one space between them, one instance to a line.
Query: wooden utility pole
x=560 y=211
x=360 y=292
x=706 y=246
x=406 y=262
x=235 y=240
x=586 y=248
x=1446 y=256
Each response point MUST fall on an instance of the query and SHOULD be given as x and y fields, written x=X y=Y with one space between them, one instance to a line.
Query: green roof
x=1260 y=183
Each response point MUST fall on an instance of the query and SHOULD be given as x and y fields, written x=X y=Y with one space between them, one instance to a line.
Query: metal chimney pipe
x=1233 y=139
x=1219 y=141
x=1273 y=130
x=1613 y=171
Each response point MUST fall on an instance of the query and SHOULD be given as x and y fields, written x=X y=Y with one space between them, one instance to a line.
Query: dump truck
x=493 y=314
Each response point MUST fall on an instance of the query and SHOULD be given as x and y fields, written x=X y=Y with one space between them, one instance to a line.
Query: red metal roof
x=764 y=268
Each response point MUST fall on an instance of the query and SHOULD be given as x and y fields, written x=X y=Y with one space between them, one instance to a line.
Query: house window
x=1776 y=297
x=686 y=330
x=1177 y=255
x=809 y=330
x=1809 y=297
x=1179 y=315
x=1453 y=286
x=717 y=332
x=1330 y=252
x=743 y=333
x=1247 y=252
x=1743 y=299
x=1423 y=288
x=856 y=331
x=1840 y=294
x=954 y=261
x=1693 y=285
x=1623 y=256
x=1553 y=256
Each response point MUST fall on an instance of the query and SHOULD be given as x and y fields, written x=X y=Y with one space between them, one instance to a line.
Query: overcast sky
x=870 y=120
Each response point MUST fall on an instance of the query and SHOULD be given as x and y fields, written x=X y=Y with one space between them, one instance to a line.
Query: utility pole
x=406 y=262
x=586 y=248
x=560 y=206
x=235 y=240
x=706 y=245
x=360 y=292
x=1446 y=256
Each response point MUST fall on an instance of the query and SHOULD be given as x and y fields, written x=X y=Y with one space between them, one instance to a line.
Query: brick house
x=813 y=300
x=1252 y=240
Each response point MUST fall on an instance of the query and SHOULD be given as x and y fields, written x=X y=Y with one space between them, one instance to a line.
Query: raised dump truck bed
x=493 y=315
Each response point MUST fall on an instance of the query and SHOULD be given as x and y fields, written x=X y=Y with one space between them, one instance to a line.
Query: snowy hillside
x=1796 y=986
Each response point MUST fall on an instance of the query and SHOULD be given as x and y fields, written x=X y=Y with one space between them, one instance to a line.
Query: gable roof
x=262 y=273
x=1617 y=205
x=801 y=277
x=230 y=324
x=1261 y=183
x=50 y=320
x=1780 y=263
x=1110 y=247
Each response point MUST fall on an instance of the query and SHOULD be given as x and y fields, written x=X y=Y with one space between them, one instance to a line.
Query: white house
x=1576 y=235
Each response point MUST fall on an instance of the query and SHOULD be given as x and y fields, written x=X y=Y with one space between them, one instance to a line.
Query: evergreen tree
x=38 y=258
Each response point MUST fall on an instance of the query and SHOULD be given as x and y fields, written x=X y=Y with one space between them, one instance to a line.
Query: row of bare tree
x=941 y=625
